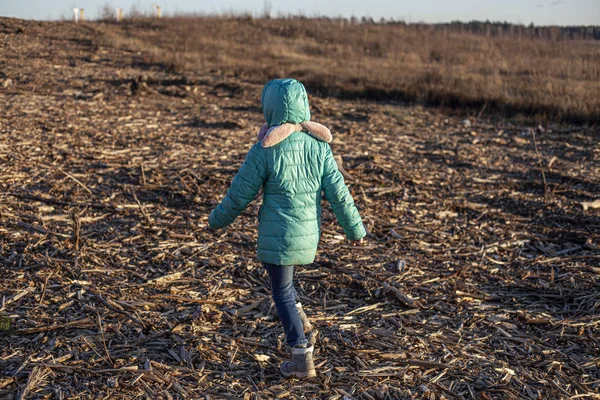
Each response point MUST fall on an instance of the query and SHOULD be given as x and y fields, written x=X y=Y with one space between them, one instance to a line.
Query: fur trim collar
x=271 y=136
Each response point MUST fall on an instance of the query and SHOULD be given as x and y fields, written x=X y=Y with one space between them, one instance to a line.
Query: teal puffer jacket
x=293 y=173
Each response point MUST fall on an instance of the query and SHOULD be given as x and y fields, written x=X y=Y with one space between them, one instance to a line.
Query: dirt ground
x=478 y=280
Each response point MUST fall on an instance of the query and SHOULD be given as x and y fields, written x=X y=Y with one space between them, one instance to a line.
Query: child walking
x=293 y=163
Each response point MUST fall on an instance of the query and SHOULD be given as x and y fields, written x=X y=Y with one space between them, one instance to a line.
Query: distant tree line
x=498 y=29
x=501 y=29
x=484 y=28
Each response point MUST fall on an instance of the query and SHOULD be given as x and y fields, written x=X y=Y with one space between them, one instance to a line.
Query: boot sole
x=299 y=375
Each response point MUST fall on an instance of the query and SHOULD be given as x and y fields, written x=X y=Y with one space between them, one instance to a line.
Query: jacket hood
x=285 y=100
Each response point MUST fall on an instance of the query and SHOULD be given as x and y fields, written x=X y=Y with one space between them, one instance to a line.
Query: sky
x=540 y=12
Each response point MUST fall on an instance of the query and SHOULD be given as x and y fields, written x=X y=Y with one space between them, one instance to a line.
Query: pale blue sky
x=540 y=12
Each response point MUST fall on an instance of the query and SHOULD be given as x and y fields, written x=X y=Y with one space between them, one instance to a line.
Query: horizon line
x=260 y=15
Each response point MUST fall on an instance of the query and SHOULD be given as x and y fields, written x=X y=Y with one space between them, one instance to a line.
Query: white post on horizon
x=81 y=14
x=119 y=14
x=157 y=11
x=76 y=14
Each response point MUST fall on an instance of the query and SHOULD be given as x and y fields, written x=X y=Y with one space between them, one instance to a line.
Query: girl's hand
x=358 y=242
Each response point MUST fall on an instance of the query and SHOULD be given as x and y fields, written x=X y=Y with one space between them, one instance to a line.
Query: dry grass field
x=480 y=278
x=546 y=79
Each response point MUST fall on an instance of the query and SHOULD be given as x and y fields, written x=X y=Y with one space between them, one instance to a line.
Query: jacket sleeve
x=244 y=187
x=341 y=200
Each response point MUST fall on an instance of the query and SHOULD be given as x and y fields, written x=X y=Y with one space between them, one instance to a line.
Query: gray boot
x=301 y=366
x=305 y=322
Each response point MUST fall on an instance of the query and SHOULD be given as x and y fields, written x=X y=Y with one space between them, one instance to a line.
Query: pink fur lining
x=271 y=136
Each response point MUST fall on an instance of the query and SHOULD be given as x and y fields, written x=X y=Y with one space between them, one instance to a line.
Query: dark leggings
x=285 y=298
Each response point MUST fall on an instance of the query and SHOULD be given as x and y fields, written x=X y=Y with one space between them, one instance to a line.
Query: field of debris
x=480 y=278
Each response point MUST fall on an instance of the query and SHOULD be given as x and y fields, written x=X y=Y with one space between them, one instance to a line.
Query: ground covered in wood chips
x=478 y=280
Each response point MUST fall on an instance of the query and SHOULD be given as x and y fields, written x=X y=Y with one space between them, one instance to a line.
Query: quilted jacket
x=293 y=173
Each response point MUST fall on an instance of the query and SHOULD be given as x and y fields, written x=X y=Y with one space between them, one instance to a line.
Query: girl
x=293 y=164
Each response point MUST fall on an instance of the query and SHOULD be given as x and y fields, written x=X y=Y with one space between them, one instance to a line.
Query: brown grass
x=548 y=79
